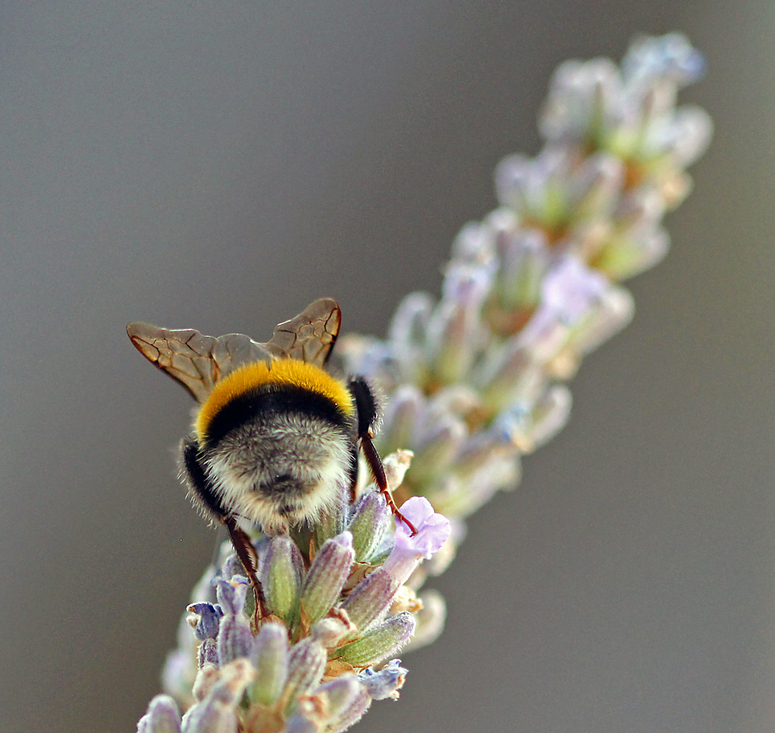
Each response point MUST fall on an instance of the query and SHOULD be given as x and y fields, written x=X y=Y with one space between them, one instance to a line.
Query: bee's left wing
x=310 y=336
x=194 y=360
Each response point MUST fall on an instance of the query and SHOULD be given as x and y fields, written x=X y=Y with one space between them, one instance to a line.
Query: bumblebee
x=275 y=436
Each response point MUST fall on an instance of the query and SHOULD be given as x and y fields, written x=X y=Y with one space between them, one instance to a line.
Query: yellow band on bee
x=291 y=372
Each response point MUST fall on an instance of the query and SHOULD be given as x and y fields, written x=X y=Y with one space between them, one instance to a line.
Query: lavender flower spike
x=472 y=380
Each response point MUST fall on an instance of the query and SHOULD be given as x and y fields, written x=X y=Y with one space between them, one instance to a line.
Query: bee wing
x=310 y=336
x=194 y=360
x=198 y=362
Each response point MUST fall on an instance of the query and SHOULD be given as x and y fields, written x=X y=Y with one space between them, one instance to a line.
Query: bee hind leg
x=368 y=415
x=202 y=491
x=246 y=553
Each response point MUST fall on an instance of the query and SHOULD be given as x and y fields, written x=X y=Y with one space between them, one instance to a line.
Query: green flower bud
x=371 y=518
x=455 y=328
x=270 y=658
x=235 y=639
x=379 y=642
x=326 y=577
x=408 y=331
x=370 y=599
x=334 y=520
x=524 y=258
x=281 y=578
x=306 y=664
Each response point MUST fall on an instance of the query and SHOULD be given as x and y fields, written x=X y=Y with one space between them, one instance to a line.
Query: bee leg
x=247 y=556
x=375 y=464
x=368 y=415
x=354 y=474
x=202 y=491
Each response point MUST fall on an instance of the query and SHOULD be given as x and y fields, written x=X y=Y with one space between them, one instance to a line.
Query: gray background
x=218 y=164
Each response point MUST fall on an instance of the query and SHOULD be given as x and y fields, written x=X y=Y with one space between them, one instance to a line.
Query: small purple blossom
x=569 y=293
x=671 y=56
x=570 y=289
x=408 y=549
x=432 y=528
x=231 y=594
x=387 y=682
x=207 y=618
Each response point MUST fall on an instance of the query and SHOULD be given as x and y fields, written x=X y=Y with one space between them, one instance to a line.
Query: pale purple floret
x=386 y=683
x=571 y=289
x=208 y=621
x=408 y=549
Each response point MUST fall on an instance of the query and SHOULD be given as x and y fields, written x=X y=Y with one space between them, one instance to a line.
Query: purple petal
x=570 y=289
x=432 y=528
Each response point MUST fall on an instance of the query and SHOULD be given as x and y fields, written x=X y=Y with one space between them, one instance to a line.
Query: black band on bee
x=366 y=404
x=196 y=478
x=272 y=400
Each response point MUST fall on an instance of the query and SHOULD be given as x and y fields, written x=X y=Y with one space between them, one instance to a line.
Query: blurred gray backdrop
x=217 y=165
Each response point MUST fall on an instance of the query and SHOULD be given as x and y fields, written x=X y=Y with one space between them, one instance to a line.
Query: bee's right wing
x=310 y=336
x=194 y=360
